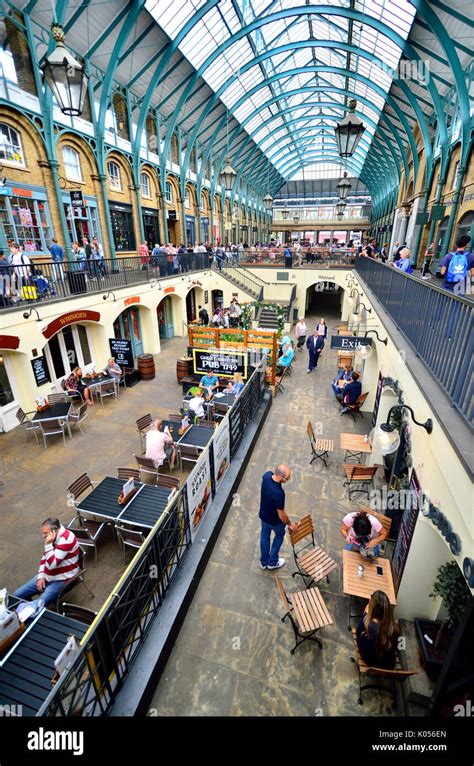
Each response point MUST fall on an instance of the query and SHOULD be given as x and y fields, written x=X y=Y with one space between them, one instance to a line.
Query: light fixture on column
x=349 y=132
x=386 y=437
x=343 y=186
x=65 y=76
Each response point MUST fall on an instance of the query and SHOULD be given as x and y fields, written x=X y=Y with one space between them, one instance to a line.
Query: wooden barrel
x=146 y=366
x=181 y=369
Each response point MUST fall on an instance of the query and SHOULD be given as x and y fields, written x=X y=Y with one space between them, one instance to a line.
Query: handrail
x=290 y=303
x=436 y=322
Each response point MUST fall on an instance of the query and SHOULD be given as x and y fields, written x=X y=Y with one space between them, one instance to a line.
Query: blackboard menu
x=206 y=296
x=121 y=350
x=377 y=401
x=40 y=370
x=406 y=530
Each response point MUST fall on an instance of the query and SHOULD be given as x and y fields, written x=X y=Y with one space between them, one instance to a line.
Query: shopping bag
x=28 y=293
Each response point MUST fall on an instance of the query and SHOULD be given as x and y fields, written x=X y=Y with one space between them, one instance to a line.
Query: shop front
x=205 y=229
x=9 y=394
x=173 y=228
x=69 y=348
x=190 y=231
x=25 y=218
x=121 y=218
x=82 y=221
x=127 y=326
x=165 y=318
x=151 y=227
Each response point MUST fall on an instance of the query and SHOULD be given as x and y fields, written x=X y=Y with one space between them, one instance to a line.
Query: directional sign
x=349 y=342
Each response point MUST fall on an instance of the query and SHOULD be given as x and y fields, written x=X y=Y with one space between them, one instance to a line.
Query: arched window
x=72 y=163
x=203 y=202
x=169 y=192
x=145 y=184
x=10 y=146
x=114 y=176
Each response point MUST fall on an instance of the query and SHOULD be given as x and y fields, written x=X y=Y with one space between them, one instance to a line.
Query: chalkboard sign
x=40 y=370
x=377 y=401
x=206 y=296
x=121 y=350
x=406 y=530
x=77 y=200
x=223 y=363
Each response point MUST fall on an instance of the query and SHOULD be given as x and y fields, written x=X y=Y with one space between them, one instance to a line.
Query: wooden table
x=355 y=446
x=321 y=449
x=363 y=587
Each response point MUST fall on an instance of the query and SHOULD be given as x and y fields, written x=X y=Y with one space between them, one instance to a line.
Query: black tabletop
x=25 y=676
x=146 y=507
x=174 y=427
x=99 y=378
x=103 y=500
x=196 y=436
x=57 y=410
x=228 y=399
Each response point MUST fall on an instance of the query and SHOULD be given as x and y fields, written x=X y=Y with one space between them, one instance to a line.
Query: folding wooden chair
x=361 y=476
x=355 y=408
x=315 y=563
x=320 y=448
x=307 y=612
x=397 y=675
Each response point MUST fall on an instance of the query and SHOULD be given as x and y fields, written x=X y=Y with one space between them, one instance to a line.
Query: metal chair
x=170 y=482
x=128 y=473
x=78 y=487
x=143 y=425
x=28 y=425
x=57 y=398
x=88 y=531
x=359 y=478
x=52 y=428
x=78 y=417
x=148 y=470
x=130 y=537
x=353 y=409
x=189 y=454
x=107 y=389
x=79 y=613
x=307 y=612
x=175 y=418
x=312 y=561
x=74 y=581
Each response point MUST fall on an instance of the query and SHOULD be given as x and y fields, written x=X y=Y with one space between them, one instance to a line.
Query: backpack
x=457 y=269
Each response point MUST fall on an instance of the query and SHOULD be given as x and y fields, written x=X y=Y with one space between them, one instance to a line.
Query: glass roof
x=297 y=94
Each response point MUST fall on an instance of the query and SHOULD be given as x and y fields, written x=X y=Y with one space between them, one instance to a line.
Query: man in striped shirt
x=60 y=562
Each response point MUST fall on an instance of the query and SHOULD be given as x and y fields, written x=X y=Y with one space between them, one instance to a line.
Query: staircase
x=267 y=319
x=251 y=284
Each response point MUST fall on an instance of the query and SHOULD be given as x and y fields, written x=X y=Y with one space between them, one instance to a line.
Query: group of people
x=350 y=391
x=223 y=317
x=208 y=387
x=88 y=255
x=74 y=383
x=377 y=632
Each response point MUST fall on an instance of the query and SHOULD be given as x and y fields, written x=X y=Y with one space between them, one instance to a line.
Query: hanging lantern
x=268 y=201
x=296 y=217
x=227 y=176
x=340 y=207
x=349 y=132
x=343 y=186
x=65 y=76
x=339 y=216
x=285 y=213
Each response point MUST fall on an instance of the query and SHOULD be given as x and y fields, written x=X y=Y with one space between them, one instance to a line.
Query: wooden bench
x=307 y=612
x=359 y=475
x=397 y=675
x=315 y=563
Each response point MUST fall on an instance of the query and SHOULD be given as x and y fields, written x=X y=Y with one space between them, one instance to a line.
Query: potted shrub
x=433 y=637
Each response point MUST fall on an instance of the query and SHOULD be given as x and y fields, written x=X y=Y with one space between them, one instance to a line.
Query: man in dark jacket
x=351 y=392
x=315 y=345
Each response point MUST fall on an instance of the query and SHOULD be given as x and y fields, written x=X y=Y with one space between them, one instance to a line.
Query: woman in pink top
x=160 y=445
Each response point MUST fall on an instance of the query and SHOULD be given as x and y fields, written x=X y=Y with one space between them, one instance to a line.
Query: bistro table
x=226 y=399
x=27 y=667
x=93 y=384
x=196 y=436
x=354 y=445
x=57 y=411
x=363 y=587
x=143 y=509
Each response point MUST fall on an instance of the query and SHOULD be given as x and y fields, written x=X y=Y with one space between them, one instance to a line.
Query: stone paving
x=232 y=656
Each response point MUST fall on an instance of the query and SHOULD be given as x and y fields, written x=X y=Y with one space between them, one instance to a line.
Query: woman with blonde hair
x=377 y=633
x=236 y=386
x=322 y=328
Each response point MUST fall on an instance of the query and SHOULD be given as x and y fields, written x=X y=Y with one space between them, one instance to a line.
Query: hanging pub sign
x=121 y=350
x=77 y=200
x=222 y=363
x=348 y=342
x=40 y=370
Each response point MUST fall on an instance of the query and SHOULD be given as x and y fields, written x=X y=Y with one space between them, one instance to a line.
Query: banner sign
x=121 y=350
x=40 y=370
x=199 y=492
x=223 y=363
x=77 y=200
x=349 y=342
x=221 y=448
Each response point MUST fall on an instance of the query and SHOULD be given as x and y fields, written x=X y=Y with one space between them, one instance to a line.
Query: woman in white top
x=322 y=328
x=300 y=333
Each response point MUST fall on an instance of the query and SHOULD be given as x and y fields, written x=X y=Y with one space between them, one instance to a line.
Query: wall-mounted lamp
x=104 y=297
x=27 y=314
x=155 y=283
x=351 y=299
x=386 y=437
x=356 y=314
x=365 y=351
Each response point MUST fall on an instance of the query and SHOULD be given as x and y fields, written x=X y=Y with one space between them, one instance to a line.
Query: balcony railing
x=38 y=282
x=437 y=323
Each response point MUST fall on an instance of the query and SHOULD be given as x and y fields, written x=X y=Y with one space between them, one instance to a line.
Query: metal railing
x=38 y=282
x=317 y=257
x=254 y=285
x=437 y=323
x=291 y=303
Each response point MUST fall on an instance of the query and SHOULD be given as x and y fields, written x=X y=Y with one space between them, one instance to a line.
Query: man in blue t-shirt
x=456 y=267
x=273 y=517
x=57 y=254
x=210 y=383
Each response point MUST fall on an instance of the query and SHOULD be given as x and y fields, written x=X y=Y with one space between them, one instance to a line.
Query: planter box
x=432 y=659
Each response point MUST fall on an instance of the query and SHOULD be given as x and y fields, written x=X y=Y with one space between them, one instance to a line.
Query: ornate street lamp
x=386 y=437
x=339 y=216
x=340 y=207
x=65 y=76
x=296 y=217
x=227 y=176
x=343 y=186
x=349 y=132
x=285 y=213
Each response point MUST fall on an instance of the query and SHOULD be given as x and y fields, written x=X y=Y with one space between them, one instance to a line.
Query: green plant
x=451 y=586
